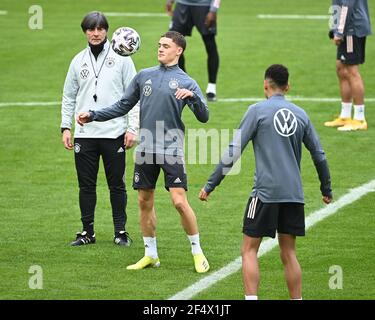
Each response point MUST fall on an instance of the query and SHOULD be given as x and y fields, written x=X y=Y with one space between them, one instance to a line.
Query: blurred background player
x=97 y=77
x=277 y=129
x=163 y=92
x=349 y=35
x=202 y=15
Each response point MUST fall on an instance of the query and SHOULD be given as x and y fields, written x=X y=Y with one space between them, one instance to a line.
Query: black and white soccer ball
x=125 y=41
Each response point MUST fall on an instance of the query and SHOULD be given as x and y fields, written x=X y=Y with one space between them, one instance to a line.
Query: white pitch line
x=266 y=246
x=135 y=14
x=29 y=104
x=293 y=16
x=3 y=13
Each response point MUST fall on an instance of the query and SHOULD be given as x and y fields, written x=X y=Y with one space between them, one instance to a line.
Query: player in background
x=163 y=91
x=349 y=35
x=202 y=15
x=98 y=76
x=277 y=129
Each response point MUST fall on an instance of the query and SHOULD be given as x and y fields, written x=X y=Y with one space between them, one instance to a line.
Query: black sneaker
x=211 y=96
x=83 y=238
x=122 y=239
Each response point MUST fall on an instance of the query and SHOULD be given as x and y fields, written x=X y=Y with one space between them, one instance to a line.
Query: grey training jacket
x=161 y=127
x=277 y=129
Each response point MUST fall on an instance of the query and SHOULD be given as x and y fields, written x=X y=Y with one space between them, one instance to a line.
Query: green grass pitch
x=38 y=185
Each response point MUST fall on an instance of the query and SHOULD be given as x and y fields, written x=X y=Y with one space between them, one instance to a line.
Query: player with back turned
x=277 y=129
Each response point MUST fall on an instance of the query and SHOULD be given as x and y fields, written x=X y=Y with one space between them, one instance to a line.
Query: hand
x=183 y=93
x=203 y=195
x=129 y=140
x=210 y=19
x=67 y=139
x=168 y=8
x=83 y=117
x=337 y=40
x=327 y=199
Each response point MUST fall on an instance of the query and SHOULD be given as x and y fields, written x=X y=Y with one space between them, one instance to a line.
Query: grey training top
x=161 y=127
x=277 y=129
x=355 y=21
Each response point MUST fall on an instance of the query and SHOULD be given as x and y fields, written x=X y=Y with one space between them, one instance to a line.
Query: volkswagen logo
x=285 y=122
x=84 y=74
x=147 y=90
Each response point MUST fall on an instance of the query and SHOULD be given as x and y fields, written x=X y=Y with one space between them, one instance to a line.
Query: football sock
x=211 y=87
x=212 y=57
x=359 y=112
x=88 y=227
x=251 y=297
x=195 y=245
x=346 y=110
x=296 y=298
x=150 y=247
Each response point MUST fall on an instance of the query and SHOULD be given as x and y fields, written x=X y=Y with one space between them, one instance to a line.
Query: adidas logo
x=178 y=180
x=148 y=81
x=121 y=149
x=342 y=57
x=205 y=264
x=84 y=65
x=146 y=246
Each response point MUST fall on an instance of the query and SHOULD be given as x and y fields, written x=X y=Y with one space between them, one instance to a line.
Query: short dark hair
x=278 y=74
x=94 y=19
x=177 y=38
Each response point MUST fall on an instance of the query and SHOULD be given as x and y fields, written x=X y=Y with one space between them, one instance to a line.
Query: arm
x=312 y=143
x=245 y=133
x=132 y=126
x=168 y=7
x=345 y=11
x=211 y=15
x=118 y=109
x=68 y=106
x=196 y=103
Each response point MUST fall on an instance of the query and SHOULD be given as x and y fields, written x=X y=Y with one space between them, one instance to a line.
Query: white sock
x=251 y=297
x=296 y=298
x=195 y=245
x=211 y=87
x=359 y=112
x=150 y=247
x=346 y=110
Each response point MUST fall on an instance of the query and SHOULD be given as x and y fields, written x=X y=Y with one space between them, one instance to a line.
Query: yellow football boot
x=354 y=125
x=144 y=263
x=338 y=122
x=200 y=262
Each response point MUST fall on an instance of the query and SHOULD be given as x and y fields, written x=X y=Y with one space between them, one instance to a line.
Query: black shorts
x=185 y=17
x=147 y=168
x=352 y=50
x=263 y=219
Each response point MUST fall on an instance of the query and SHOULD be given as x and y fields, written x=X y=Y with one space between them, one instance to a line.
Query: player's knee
x=341 y=71
x=144 y=202
x=180 y=204
x=117 y=189
x=287 y=256
x=353 y=72
x=87 y=189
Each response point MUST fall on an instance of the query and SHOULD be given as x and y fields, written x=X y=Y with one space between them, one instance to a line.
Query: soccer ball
x=125 y=41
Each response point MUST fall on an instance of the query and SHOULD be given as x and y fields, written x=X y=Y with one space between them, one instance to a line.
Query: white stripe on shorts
x=349 y=44
x=255 y=206
x=252 y=207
